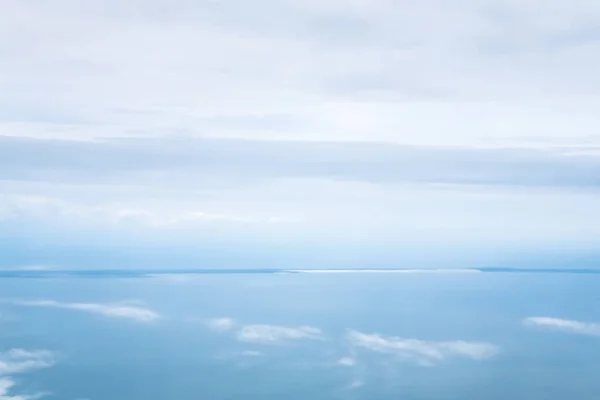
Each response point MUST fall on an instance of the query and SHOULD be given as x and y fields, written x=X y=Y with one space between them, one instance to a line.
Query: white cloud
x=264 y=333
x=6 y=384
x=386 y=70
x=355 y=384
x=107 y=310
x=31 y=268
x=251 y=353
x=461 y=75
x=221 y=324
x=564 y=325
x=274 y=333
x=47 y=208
x=20 y=361
x=6 y=387
x=387 y=271
x=423 y=352
x=17 y=361
x=346 y=362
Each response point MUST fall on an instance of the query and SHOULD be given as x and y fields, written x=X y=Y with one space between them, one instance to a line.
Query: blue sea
x=271 y=334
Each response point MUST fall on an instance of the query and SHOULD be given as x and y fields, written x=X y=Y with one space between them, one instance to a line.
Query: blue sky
x=138 y=130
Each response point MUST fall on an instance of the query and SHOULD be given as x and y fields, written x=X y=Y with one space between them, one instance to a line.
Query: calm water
x=299 y=336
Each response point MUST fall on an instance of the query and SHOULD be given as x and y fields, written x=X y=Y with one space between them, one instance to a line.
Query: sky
x=236 y=133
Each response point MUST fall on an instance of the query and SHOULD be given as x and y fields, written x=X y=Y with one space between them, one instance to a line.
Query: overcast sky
x=370 y=125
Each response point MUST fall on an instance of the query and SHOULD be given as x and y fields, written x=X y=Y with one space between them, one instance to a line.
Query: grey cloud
x=195 y=161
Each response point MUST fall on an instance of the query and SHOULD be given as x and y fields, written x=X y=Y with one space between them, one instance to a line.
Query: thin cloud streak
x=264 y=333
x=274 y=333
x=564 y=325
x=422 y=352
x=346 y=362
x=108 y=310
x=221 y=324
x=255 y=160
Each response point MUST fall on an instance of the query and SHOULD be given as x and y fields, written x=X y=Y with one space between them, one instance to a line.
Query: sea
x=492 y=333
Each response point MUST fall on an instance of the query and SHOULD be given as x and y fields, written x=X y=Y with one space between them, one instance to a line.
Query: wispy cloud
x=6 y=387
x=17 y=361
x=251 y=353
x=355 y=384
x=423 y=352
x=20 y=361
x=564 y=325
x=265 y=333
x=274 y=333
x=47 y=208
x=346 y=362
x=221 y=324
x=107 y=310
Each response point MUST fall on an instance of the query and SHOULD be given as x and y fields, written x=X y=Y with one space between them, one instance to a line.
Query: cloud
x=264 y=333
x=107 y=310
x=48 y=208
x=316 y=188
x=18 y=361
x=355 y=384
x=386 y=69
x=397 y=96
x=6 y=384
x=259 y=160
x=564 y=325
x=346 y=362
x=274 y=333
x=221 y=324
x=21 y=361
x=251 y=353
x=422 y=352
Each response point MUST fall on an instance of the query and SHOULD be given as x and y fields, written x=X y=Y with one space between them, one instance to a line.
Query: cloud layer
x=225 y=114
x=390 y=70
x=233 y=161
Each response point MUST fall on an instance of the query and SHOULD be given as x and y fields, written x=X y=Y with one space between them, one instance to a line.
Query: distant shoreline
x=151 y=273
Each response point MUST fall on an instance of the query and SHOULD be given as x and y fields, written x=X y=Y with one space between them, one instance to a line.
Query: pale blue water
x=178 y=355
